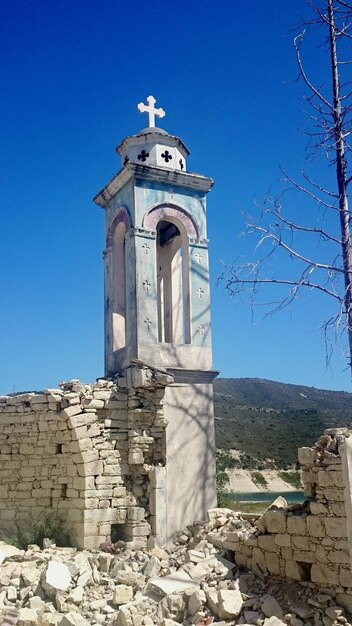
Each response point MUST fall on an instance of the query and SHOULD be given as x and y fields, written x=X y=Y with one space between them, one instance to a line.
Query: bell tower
x=157 y=297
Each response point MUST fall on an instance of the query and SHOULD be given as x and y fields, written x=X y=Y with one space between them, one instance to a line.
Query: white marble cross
x=151 y=110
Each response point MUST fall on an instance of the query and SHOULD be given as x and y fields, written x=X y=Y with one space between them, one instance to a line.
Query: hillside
x=267 y=419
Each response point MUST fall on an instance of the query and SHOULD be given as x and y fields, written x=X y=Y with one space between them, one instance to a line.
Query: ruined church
x=132 y=456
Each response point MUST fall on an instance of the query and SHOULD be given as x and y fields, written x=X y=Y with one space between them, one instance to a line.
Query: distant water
x=268 y=496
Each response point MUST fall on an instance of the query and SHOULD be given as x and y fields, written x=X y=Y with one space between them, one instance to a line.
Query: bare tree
x=327 y=267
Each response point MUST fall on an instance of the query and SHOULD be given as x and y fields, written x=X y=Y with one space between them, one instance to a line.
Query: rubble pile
x=193 y=582
x=307 y=541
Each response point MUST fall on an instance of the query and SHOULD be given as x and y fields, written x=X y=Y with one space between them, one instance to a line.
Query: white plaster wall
x=190 y=448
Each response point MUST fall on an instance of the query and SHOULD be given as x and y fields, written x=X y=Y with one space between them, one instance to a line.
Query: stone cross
x=147 y=285
x=146 y=248
x=200 y=293
x=198 y=257
x=148 y=323
x=151 y=110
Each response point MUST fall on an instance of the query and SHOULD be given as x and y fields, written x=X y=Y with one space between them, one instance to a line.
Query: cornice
x=154 y=174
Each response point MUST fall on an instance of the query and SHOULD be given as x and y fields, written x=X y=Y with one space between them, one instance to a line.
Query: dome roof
x=153 y=129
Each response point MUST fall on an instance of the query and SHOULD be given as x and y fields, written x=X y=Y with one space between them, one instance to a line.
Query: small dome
x=155 y=129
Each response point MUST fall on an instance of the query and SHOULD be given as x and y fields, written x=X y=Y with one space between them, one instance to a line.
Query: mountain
x=268 y=419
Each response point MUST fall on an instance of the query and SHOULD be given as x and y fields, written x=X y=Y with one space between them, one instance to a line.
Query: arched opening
x=172 y=257
x=119 y=288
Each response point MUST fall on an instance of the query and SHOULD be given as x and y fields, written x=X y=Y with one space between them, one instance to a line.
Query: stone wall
x=94 y=455
x=310 y=541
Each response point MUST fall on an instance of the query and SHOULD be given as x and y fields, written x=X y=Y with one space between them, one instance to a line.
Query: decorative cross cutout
x=148 y=323
x=147 y=285
x=151 y=110
x=143 y=155
x=166 y=156
x=199 y=257
x=201 y=329
x=181 y=164
x=146 y=248
x=200 y=293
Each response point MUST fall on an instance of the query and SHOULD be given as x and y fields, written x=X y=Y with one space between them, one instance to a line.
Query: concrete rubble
x=193 y=582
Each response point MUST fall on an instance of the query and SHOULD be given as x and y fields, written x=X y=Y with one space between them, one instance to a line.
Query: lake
x=268 y=496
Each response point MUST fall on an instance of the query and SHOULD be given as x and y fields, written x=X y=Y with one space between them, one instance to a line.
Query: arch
x=170 y=212
x=122 y=216
x=173 y=290
x=119 y=286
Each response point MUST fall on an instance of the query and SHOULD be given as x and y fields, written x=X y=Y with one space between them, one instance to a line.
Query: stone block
x=296 y=524
x=26 y=617
x=122 y=594
x=334 y=495
x=87 y=456
x=84 y=483
x=315 y=526
x=135 y=457
x=339 y=509
x=98 y=493
x=273 y=563
x=294 y=571
x=344 y=600
x=258 y=559
x=324 y=575
x=229 y=603
x=79 y=433
x=345 y=577
x=286 y=554
x=301 y=543
x=275 y=520
x=74 y=409
x=321 y=554
x=283 y=541
x=306 y=456
x=80 y=445
x=309 y=490
x=330 y=478
x=73 y=618
x=339 y=556
x=112 y=470
x=267 y=542
x=94 y=430
x=304 y=556
x=56 y=577
x=90 y=469
x=157 y=477
x=108 y=481
x=317 y=508
x=99 y=515
x=270 y=607
x=336 y=527
x=135 y=513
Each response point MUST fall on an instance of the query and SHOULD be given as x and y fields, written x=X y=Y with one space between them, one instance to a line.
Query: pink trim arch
x=167 y=211
x=123 y=216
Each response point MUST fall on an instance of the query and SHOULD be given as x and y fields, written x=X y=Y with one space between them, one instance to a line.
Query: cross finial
x=151 y=110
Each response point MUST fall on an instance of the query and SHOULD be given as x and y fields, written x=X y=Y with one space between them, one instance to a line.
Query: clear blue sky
x=72 y=74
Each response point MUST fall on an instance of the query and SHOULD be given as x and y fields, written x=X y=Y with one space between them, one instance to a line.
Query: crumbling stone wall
x=92 y=454
x=310 y=541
